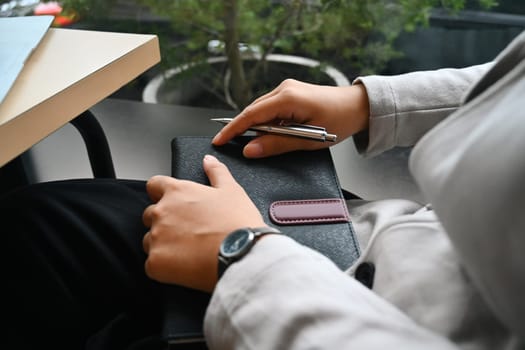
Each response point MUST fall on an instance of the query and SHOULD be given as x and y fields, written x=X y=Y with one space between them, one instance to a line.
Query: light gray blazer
x=449 y=275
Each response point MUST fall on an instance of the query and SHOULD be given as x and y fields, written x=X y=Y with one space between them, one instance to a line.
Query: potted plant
x=236 y=49
x=244 y=36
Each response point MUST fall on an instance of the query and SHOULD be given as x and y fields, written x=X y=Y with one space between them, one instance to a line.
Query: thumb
x=217 y=172
x=156 y=186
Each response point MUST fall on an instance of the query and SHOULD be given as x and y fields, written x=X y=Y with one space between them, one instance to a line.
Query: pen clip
x=305 y=126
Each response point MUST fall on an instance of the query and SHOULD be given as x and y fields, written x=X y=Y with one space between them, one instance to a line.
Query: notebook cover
x=300 y=175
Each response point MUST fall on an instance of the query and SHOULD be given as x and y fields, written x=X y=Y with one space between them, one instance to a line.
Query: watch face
x=237 y=243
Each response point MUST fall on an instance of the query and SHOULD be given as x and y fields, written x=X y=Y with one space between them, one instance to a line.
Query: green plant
x=88 y=8
x=360 y=33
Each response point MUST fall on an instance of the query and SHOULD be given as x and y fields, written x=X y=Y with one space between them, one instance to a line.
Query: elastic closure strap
x=309 y=211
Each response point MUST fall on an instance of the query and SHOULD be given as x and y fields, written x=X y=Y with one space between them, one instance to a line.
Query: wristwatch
x=238 y=243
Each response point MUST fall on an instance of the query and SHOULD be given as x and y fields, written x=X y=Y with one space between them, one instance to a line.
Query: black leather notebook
x=298 y=193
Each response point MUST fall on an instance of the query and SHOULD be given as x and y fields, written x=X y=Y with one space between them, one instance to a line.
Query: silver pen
x=311 y=132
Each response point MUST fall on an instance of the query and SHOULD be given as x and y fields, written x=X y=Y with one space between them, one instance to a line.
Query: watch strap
x=223 y=265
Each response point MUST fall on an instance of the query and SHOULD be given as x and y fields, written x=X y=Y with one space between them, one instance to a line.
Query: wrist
x=360 y=108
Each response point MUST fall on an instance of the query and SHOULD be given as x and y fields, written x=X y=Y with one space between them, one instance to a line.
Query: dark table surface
x=139 y=136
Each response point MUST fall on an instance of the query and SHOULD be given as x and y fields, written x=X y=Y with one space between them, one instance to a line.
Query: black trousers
x=73 y=267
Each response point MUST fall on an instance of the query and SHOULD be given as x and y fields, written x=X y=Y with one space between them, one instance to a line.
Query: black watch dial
x=237 y=243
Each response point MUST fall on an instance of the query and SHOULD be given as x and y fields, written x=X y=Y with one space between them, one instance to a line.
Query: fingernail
x=216 y=137
x=253 y=150
x=210 y=158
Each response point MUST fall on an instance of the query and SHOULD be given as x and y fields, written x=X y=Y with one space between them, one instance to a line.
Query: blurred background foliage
x=356 y=36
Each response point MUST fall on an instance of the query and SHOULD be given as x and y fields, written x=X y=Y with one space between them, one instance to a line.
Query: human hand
x=188 y=222
x=341 y=110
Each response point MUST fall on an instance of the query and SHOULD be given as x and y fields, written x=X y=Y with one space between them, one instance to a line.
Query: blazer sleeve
x=286 y=296
x=404 y=107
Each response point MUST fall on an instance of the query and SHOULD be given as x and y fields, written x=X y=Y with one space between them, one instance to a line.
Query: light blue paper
x=19 y=36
